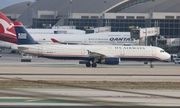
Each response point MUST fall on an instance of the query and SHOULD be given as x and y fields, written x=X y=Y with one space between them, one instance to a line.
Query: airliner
x=89 y=54
x=111 y=38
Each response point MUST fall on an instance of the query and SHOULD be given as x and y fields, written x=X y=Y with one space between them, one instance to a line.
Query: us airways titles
x=129 y=48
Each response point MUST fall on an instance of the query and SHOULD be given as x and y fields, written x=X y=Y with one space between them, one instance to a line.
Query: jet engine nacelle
x=5 y=45
x=110 y=61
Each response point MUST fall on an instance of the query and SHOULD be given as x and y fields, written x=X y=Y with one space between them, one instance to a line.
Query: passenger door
x=153 y=51
x=82 y=50
x=122 y=52
x=39 y=50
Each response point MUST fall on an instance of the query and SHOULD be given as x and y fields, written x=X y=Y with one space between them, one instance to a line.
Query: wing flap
x=96 y=55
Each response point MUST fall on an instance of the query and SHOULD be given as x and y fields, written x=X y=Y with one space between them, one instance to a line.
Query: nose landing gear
x=151 y=65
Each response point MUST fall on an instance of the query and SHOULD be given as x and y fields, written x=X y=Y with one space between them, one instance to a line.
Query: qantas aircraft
x=111 y=38
x=90 y=54
x=116 y=38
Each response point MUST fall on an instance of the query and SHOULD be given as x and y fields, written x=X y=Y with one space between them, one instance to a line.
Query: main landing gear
x=88 y=64
x=151 y=65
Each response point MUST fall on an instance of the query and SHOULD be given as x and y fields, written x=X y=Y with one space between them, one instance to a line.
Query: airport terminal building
x=119 y=14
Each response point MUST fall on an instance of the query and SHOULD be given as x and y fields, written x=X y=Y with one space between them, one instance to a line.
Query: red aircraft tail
x=7 y=30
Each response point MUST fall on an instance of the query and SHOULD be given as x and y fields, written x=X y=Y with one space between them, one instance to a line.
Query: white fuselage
x=81 y=51
x=107 y=38
x=55 y=31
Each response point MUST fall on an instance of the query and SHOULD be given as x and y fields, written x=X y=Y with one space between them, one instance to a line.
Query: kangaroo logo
x=7 y=27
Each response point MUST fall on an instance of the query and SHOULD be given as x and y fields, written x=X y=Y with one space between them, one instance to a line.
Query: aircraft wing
x=96 y=55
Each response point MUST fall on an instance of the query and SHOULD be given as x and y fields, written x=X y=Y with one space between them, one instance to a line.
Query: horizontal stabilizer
x=54 y=40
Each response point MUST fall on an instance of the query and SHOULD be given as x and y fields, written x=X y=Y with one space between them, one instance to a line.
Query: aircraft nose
x=168 y=56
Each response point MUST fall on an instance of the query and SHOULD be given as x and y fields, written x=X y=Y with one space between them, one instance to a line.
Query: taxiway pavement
x=45 y=69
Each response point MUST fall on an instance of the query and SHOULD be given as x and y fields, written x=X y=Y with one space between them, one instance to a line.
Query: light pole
x=28 y=4
x=70 y=11
x=105 y=1
x=36 y=13
x=153 y=5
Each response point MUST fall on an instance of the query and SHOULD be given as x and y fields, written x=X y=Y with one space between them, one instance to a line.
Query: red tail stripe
x=54 y=40
x=18 y=24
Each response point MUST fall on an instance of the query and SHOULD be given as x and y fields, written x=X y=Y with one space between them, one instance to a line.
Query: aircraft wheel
x=94 y=65
x=152 y=66
x=88 y=64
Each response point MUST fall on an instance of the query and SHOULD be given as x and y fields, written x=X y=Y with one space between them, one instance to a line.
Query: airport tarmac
x=109 y=97
x=12 y=69
x=47 y=69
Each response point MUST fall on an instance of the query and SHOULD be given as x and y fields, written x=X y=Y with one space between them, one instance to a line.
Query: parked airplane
x=90 y=54
x=55 y=31
x=111 y=38
x=116 y=38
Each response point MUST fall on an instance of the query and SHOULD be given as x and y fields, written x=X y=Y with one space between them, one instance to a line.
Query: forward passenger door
x=153 y=51
x=82 y=50
x=122 y=52
x=40 y=50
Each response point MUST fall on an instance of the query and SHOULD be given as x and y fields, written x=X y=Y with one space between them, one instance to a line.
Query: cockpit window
x=162 y=51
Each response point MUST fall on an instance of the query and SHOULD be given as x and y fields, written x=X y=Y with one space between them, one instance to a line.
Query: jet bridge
x=149 y=34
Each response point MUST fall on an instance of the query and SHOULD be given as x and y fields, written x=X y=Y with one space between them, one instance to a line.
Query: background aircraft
x=55 y=31
x=116 y=38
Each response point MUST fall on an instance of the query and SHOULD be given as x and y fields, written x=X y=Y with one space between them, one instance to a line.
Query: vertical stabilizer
x=7 y=30
x=23 y=36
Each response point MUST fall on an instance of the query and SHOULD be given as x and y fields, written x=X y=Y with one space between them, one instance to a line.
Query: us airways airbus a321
x=92 y=54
